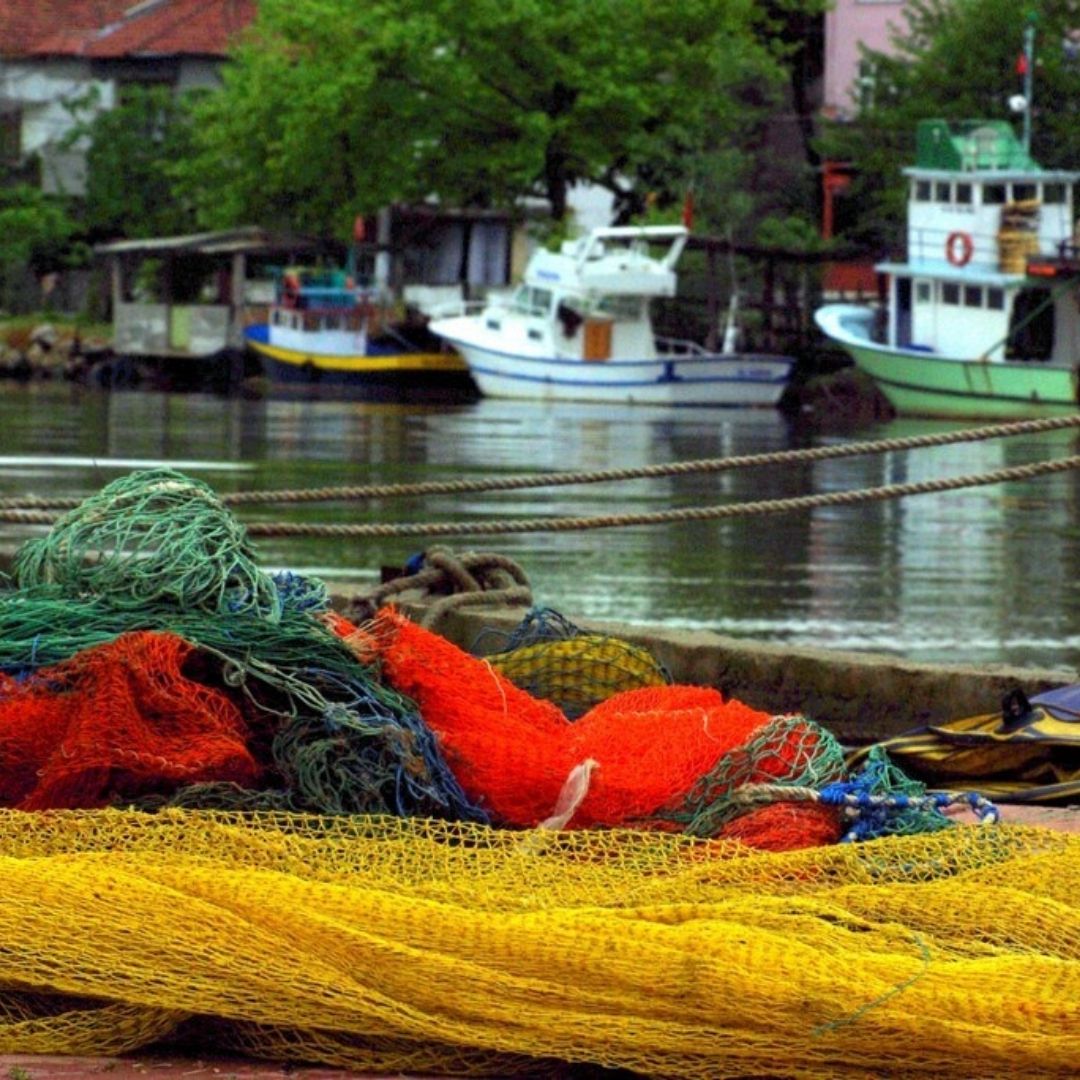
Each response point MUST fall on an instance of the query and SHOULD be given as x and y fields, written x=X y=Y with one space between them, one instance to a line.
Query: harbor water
x=978 y=575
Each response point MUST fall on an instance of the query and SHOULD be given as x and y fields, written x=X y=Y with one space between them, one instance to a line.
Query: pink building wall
x=847 y=24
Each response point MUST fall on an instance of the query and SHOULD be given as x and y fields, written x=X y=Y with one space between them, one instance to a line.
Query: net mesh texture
x=231 y=818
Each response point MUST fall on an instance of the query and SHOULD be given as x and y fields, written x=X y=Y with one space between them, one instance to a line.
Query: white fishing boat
x=982 y=315
x=579 y=327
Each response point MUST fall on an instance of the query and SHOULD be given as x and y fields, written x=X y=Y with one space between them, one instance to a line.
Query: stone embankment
x=46 y=351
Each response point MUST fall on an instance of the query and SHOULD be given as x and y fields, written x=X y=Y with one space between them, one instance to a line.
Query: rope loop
x=460 y=580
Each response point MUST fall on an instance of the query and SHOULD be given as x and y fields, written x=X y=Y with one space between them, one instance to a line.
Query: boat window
x=624 y=308
x=972 y=296
x=942 y=192
x=994 y=195
x=995 y=299
x=950 y=293
x=964 y=195
x=922 y=190
x=1023 y=192
x=1053 y=194
x=922 y=292
x=332 y=322
x=532 y=301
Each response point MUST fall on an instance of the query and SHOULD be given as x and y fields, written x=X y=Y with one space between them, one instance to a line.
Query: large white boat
x=579 y=327
x=982 y=319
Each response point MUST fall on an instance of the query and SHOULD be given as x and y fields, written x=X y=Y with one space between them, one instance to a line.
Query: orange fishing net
x=633 y=759
x=117 y=721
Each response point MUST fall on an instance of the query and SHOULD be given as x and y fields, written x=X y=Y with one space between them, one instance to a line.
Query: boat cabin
x=320 y=310
x=590 y=299
x=978 y=209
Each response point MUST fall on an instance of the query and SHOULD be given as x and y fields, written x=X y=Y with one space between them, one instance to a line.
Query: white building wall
x=198 y=74
x=43 y=92
x=44 y=96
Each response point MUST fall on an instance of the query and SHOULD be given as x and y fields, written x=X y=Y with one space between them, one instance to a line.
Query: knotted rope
x=878 y=800
x=462 y=580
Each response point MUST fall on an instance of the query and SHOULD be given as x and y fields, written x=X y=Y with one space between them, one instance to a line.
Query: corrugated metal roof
x=250 y=239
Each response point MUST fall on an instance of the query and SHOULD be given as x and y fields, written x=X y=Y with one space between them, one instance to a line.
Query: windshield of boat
x=530 y=300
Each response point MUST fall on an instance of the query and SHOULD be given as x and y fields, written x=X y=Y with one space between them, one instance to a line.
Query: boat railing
x=978 y=247
x=679 y=347
x=312 y=320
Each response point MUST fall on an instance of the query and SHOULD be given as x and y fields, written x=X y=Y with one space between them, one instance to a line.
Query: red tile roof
x=120 y=28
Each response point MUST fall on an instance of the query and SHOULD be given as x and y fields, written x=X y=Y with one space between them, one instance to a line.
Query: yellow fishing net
x=404 y=945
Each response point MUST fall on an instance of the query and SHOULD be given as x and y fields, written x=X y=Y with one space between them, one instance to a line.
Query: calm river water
x=978 y=575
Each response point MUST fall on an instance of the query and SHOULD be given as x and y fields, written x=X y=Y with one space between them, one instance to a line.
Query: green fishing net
x=149 y=538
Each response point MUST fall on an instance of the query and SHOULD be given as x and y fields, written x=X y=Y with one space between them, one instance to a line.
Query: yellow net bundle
x=405 y=945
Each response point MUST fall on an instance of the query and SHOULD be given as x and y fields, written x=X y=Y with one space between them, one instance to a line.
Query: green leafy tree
x=36 y=234
x=332 y=108
x=956 y=60
x=130 y=153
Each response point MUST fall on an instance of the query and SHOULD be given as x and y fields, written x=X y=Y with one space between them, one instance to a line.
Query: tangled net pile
x=272 y=831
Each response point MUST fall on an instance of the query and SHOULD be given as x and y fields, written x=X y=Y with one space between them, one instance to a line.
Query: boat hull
x=713 y=379
x=386 y=369
x=924 y=384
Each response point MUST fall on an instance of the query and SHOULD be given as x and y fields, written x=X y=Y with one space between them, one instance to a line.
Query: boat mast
x=1027 y=63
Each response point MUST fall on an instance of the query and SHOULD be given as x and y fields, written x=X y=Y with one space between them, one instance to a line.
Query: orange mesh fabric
x=786 y=826
x=117 y=721
x=514 y=753
x=508 y=750
x=653 y=744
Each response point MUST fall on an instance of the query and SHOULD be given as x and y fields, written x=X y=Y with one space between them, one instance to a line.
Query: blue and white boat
x=324 y=330
x=579 y=328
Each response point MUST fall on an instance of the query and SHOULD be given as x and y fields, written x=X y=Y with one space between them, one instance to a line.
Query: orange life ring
x=959 y=248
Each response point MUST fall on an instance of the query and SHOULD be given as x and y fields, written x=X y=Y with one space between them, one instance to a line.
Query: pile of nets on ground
x=229 y=816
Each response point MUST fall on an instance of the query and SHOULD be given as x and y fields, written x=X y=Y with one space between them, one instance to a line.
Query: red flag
x=688 y=210
x=1022 y=64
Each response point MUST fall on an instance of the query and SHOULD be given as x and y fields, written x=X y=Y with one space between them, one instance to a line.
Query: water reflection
x=980 y=574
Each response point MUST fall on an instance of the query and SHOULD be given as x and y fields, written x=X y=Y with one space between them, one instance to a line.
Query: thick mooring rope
x=610 y=521
x=563 y=479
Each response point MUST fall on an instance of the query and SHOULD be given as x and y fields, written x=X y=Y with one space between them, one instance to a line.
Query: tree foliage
x=35 y=228
x=36 y=233
x=332 y=108
x=956 y=60
x=130 y=153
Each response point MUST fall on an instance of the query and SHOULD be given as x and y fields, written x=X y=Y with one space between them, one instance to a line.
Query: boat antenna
x=1026 y=66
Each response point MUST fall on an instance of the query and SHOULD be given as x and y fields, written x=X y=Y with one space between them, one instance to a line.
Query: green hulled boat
x=982 y=319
